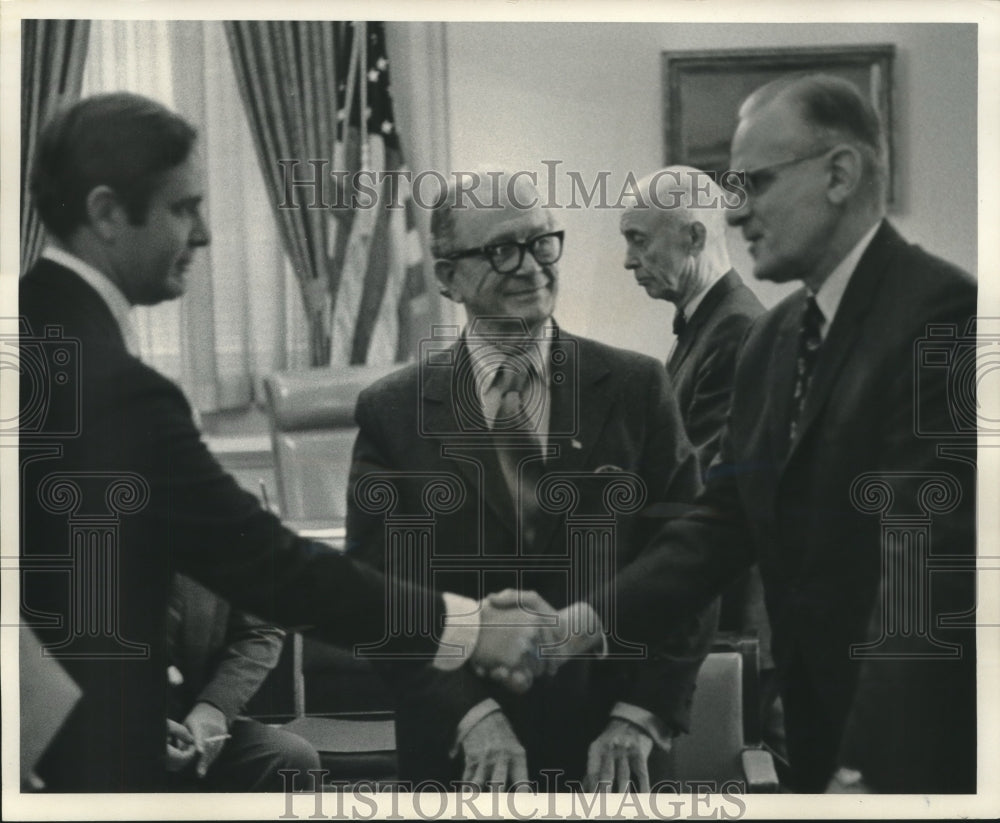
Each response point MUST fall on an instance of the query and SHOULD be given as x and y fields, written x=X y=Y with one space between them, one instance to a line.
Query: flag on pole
x=377 y=260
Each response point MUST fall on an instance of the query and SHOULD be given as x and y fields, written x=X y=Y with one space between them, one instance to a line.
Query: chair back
x=311 y=413
x=724 y=715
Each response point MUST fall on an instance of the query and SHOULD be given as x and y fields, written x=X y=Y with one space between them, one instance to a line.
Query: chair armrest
x=758 y=769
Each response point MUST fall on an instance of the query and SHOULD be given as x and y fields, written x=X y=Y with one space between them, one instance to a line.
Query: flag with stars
x=374 y=246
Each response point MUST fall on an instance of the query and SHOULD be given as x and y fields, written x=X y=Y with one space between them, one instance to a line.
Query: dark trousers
x=251 y=760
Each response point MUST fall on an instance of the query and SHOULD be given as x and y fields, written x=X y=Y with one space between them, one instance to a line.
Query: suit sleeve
x=252 y=650
x=447 y=695
x=695 y=552
x=708 y=408
x=218 y=534
x=664 y=683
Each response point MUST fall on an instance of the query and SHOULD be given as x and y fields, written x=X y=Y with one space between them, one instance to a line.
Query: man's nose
x=200 y=235
x=529 y=266
x=630 y=260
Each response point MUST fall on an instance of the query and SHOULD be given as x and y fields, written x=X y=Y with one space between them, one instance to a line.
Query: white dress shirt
x=831 y=292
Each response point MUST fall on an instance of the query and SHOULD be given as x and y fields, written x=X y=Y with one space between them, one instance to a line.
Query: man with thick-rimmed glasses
x=537 y=430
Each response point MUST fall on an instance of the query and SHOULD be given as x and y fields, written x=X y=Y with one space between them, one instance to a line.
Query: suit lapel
x=580 y=403
x=843 y=332
x=462 y=433
x=685 y=341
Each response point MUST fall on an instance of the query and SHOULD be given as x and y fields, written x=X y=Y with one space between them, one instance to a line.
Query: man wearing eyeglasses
x=538 y=430
x=843 y=470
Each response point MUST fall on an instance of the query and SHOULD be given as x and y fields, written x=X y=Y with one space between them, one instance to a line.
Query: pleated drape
x=286 y=71
x=52 y=58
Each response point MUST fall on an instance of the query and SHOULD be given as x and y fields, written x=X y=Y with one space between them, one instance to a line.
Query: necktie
x=680 y=322
x=809 y=343
x=519 y=413
x=517 y=387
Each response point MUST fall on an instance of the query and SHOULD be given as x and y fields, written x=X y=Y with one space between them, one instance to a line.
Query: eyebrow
x=511 y=235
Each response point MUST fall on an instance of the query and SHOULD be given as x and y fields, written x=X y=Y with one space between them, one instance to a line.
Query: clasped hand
x=515 y=626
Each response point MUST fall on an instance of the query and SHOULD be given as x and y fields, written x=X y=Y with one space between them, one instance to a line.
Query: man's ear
x=845 y=170
x=105 y=213
x=697 y=235
x=445 y=272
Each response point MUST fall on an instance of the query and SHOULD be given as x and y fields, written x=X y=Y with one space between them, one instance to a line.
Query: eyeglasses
x=506 y=257
x=758 y=180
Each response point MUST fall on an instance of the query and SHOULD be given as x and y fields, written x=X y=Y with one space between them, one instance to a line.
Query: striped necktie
x=517 y=422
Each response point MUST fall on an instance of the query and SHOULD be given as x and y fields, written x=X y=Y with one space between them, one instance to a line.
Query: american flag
x=376 y=253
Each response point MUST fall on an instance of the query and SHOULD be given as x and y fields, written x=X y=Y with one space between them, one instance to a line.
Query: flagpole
x=363 y=79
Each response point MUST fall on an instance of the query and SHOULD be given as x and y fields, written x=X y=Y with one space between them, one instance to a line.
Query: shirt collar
x=112 y=296
x=691 y=306
x=832 y=291
x=485 y=355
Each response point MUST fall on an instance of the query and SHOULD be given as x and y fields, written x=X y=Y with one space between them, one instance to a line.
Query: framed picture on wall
x=702 y=92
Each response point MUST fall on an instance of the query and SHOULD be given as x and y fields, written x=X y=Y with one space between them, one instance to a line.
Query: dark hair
x=830 y=106
x=121 y=140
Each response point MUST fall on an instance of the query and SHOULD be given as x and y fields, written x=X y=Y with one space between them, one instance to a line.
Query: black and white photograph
x=551 y=410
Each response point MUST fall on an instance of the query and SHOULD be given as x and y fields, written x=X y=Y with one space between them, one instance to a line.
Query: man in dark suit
x=603 y=436
x=675 y=239
x=219 y=658
x=838 y=470
x=117 y=489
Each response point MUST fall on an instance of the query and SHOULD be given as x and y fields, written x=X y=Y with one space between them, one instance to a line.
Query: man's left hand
x=210 y=731
x=619 y=755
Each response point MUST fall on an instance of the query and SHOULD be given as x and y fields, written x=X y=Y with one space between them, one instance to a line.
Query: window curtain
x=318 y=96
x=242 y=316
x=286 y=72
x=52 y=60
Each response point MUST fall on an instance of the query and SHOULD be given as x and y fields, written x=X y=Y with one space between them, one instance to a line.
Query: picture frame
x=702 y=92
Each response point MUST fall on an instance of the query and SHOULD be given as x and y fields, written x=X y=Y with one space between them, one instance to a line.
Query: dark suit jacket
x=112 y=463
x=224 y=654
x=873 y=408
x=610 y=410
x=704 y=361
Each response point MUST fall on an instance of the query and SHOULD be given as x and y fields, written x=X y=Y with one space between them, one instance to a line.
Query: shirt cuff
x=472 y=717
x=582 y=615
x=659 y=731
x=461 y=632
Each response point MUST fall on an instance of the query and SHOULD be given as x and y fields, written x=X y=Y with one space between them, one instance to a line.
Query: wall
x=590 y=95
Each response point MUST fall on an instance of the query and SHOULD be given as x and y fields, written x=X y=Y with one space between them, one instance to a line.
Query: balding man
x=675 y=246
x=597 y=422
x=835 y=458
x=675 y=239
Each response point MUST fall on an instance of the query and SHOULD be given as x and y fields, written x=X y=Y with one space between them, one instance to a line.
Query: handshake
x=522 y=637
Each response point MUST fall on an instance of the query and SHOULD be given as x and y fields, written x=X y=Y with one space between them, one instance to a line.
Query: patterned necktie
x=519 y=413
x=515 y=382
x=809 y=343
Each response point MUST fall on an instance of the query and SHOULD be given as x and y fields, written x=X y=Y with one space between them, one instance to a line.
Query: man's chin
x=773 y=274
